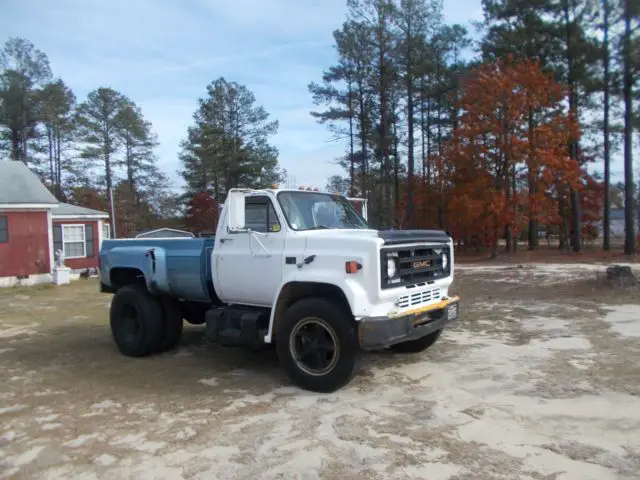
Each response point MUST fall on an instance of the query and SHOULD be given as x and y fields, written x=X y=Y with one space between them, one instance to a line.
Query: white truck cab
x=276 y=245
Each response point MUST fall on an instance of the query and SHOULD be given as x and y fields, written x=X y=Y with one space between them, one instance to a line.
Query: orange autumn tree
x=507 y=164
x=202 y=213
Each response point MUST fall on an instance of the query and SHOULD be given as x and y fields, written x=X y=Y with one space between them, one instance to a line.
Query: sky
x=163 y=53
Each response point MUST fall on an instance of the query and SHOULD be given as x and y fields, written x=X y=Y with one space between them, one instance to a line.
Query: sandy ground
x=539 y=380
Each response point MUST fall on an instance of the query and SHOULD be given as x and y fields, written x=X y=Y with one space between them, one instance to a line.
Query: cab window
x=260 y=216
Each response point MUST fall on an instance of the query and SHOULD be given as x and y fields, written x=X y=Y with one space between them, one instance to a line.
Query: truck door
x=249 y=267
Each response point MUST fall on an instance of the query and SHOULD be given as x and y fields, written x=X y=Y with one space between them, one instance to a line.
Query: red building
x=33 y=225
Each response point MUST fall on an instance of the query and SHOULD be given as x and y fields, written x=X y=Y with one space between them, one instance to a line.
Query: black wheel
x=317 y=345
x=172 y=317
x=194 y=313
x=418 y=345
x=136 y=321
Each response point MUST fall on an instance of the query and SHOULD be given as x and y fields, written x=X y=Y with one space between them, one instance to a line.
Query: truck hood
x=394 y=237
x=386 y=237
x=341 y=238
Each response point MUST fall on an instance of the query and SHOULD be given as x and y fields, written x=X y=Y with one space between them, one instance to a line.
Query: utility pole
x=113 y=215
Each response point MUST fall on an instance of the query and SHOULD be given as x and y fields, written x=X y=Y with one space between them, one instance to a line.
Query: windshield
x=310 y=210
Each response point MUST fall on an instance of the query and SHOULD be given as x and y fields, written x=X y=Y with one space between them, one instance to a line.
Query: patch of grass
x=51 y=305
x=20 y=289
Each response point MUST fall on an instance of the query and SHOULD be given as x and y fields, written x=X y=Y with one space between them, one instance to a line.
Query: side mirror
x=235 y=201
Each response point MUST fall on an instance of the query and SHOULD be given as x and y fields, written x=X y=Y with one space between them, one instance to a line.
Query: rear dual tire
x=172 y=320
x=142 y=324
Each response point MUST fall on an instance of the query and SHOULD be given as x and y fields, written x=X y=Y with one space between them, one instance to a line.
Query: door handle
x=223 y=240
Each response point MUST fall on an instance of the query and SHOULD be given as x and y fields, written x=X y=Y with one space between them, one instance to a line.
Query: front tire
x=317 y=345
x=418 y=345
x=136 y=321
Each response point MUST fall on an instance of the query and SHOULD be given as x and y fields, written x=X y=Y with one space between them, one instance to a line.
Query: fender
x=151 y=261
x=352 y=289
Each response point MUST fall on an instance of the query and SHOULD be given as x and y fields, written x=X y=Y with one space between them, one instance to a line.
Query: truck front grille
x=419 y=298
x=415 y=265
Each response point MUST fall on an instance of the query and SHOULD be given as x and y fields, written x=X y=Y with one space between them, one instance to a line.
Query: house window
x=73 y=241
x=4 y=230
x=106 y=230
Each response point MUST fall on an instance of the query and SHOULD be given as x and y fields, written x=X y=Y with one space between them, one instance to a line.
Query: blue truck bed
x=180 y=267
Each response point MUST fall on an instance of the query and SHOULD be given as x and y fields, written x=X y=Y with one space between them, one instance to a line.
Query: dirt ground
x=540 y=379
x=590 y=253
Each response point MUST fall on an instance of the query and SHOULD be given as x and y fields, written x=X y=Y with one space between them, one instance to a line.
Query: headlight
x=392 y=269
x=445 y=261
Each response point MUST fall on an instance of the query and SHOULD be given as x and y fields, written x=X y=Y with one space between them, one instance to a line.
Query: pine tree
x=378 y=17
x=98 y=129
x=353 y=103
x=228 y=144
x=415 y=19
x=24 y=69
x=57 y=110
x=138 y=143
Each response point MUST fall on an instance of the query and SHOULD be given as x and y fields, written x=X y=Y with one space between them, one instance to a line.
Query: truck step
x=232 y=327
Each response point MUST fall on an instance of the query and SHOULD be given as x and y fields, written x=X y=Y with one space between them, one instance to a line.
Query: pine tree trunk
x=16 y=150
x=506 y=185
x=58 y=162
x=423 y=148
x=410 y=127
x=429 y=150
x=410 y=157
x=629 y=215
x=384 y=136
x=515 y=209
x=396 y=164
x=25 y=154
x=573 y=109
x=363 y=141
x=532 y=175
x=563 y=234
x=606 y=225
x=351 y=143
x=130 y=167
x=50 y=140
x=107 y=171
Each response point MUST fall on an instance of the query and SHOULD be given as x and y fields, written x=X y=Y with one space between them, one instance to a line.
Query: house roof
x=164 y=232
x=20 y=186
x=66 y=210
x=616 y=214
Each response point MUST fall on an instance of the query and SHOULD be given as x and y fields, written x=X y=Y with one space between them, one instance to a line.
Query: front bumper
x=379 y=332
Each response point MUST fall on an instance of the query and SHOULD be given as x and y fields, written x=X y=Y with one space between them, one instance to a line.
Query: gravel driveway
x=539 y=380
